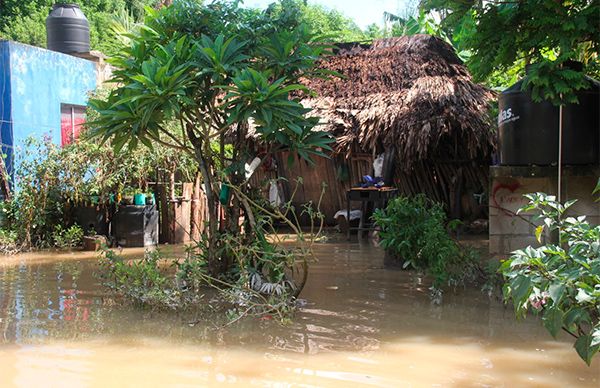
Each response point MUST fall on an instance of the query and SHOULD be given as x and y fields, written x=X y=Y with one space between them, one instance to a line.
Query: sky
x=363 y=12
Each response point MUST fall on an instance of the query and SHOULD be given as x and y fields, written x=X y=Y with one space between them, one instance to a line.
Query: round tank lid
x=65 y=5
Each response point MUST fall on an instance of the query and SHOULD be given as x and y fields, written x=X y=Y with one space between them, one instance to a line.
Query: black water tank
x=529 y=130
x=67 y=29
x=136 y=226
x=91 y=218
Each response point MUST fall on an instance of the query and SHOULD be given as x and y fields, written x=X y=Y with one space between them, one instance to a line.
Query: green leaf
x=585 y=349
x=149 y=29
x=556 y=291
x=521 y=288
x=552 y=320
x=575 y=316
x=147 y=142
x=142 y=79
x=290 y=160
x=295 y=128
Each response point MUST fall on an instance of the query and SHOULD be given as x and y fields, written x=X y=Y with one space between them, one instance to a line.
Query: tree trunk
x=203 y=157
x=214 y=265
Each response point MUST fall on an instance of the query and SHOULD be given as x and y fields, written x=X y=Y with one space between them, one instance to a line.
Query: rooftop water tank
x=529 y=130
x=67 y=29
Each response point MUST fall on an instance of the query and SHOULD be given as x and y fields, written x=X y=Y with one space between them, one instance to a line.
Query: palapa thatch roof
x=406 y=94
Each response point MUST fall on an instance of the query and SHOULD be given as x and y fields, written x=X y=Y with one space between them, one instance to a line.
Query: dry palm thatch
x=413 y=99
x=410 y=94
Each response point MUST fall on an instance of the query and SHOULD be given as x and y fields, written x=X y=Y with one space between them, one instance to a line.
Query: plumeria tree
x=224 y=76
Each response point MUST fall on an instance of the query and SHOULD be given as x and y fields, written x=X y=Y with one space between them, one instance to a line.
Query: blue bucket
x=139 y=199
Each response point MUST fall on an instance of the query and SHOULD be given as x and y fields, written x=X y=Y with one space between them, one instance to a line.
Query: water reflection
x=45 y=300
x=360 y=324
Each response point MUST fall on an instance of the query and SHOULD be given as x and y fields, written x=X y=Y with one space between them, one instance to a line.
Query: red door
x=72 y=118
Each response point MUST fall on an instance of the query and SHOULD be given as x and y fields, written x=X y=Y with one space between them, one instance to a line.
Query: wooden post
x=171 y=206
x=165 y=205
x=196 y=209
x=183 y=215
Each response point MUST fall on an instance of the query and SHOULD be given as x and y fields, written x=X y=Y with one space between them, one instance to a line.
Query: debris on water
x=301 y=302
x=436 y=295
x=322 y=239
x=332 y=287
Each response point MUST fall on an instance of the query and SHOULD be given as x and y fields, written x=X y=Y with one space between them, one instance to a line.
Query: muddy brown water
x=362 y=325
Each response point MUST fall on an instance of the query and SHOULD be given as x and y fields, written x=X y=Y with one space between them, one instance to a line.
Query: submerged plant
x=265 y=272
x=37 y=204
x=560 y=281
x=70 y=237
x=143 y=281
x=197 y=78
x=50 y=181
x=413 y=229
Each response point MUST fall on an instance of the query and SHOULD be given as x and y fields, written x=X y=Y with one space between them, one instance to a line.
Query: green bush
x=9 y=242
x=559 y=281
x=414 y=230
x=51 y=180
x=144 y=282
x=70 y=237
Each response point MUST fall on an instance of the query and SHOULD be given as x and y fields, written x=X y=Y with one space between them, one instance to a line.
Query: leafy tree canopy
x=374 y=31
x=320 y=20
x=505 y=36
x=24 y=20
x=214 y=70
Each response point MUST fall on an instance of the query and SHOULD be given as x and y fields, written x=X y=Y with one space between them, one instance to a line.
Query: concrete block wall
x=509 y=231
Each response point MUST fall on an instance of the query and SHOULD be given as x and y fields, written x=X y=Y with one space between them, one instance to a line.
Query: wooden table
x=378 y=197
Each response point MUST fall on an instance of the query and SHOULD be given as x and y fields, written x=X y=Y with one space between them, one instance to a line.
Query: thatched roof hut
x=404 y=93
x=414 y=100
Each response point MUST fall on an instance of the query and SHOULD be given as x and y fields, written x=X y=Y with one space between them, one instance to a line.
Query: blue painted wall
x=5 y=108
x=39 y=81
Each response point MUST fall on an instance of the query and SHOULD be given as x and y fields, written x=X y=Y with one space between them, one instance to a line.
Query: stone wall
x=509 y=231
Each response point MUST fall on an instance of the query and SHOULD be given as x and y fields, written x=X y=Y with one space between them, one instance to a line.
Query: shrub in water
x=414 y=230
x=559 y=281
x=70 y=237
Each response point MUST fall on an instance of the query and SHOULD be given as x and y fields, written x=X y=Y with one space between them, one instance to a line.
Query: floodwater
x=361 y=325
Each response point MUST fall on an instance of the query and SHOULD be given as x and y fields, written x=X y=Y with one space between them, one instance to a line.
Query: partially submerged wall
x=509 y=231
